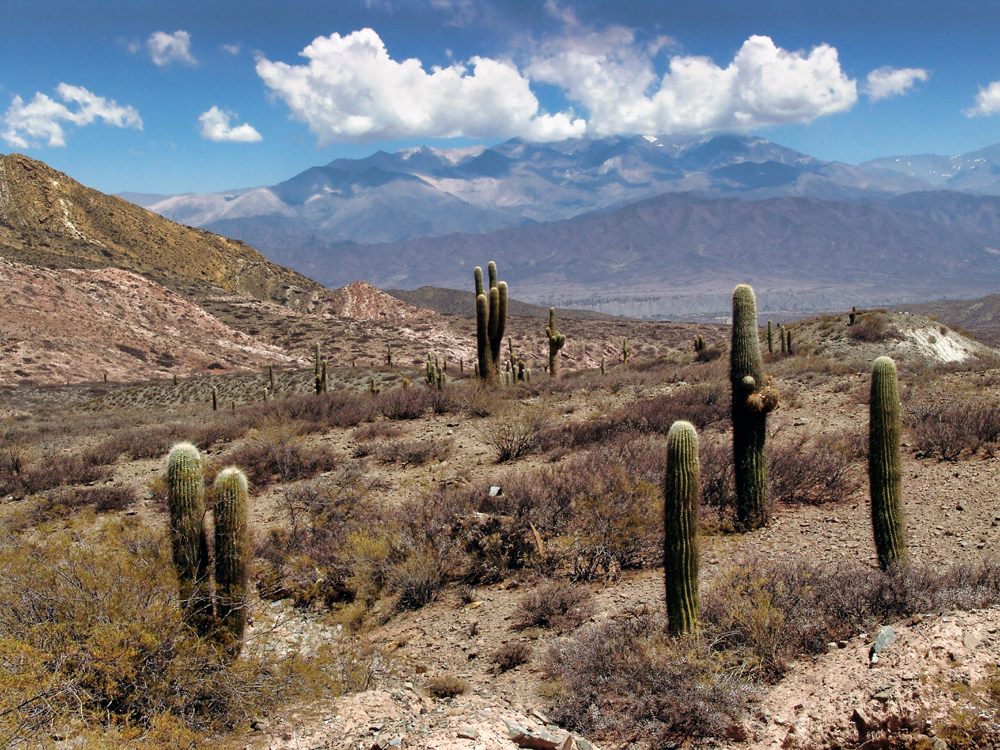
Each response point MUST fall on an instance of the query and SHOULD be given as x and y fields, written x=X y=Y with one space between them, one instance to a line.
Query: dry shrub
x=49 y=472
x=946 y=429
x=555 y=604
x=812 y=471
x=276 y=454
x=513 y=432
x=417 y=579
x=105 y=499
x=447 y=686
x=701 y=404
x=629 y=681
x=617 y=524
x=718 y=477
x=404 y=403
x=511 y=655
x=149 y=441
x=481 y=401
x=872 y=328
x=412 y=452
x=91 y=635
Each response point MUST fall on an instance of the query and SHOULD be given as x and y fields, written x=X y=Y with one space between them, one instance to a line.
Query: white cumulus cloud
x=352 y=90
x=613 y=76
x=215 y=127
x=987 y=101
x=232 y=49
x=887 y=81
x=42 y=118
x=166 y=48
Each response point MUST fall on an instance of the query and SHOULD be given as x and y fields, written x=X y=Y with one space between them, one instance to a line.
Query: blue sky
x=169 y=97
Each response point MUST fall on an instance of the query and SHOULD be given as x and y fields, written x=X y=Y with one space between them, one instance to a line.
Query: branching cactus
x=680 y=528
x=186 y=501
x=751 y=403
x=884 y=471
x=556 y=342
x=232 y=557
x=491 y=320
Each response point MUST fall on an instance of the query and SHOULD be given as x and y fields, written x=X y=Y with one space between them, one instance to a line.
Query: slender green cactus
x=852 y=316
x=491 y=321
x=215 y=398
x=781 y=337
x=388 y=355
x=324 y=382
x=186 y=501
x=604 y=365
x=556 y=342
x=232 y=557
x=770 y=338
x=884 y=470
x=625 y=351
x=270 y=375
x=751 y=403
x=680 y=528
x=788 y=342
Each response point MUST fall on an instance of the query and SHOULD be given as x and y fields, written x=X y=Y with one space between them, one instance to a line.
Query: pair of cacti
x=491 y=320
x=699 y=343
x=222 y=616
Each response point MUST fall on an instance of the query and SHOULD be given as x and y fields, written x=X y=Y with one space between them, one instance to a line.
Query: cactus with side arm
x=556 y=342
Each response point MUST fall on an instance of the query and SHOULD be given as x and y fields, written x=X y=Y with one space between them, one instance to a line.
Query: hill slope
x=49 y=219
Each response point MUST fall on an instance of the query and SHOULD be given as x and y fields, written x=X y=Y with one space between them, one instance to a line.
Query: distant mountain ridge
x=424 y=192
x=681 y=254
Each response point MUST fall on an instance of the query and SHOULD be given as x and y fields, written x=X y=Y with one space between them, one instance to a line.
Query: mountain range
x=636 y=226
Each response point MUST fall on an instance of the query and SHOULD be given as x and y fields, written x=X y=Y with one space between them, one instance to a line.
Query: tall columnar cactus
x=750 y=405
x=232 y=557
x=186 y=501
x=318 y=372
x=781 y=336
x=680 y=528
x=270 y=375
x=604 y=365
x=625 y=351
x=215 y=398
x=770 y=338
x=388 y=355
x=556 y=342
x=884 y=471
x=788 y=341
x=323 y=379
x=491 y=320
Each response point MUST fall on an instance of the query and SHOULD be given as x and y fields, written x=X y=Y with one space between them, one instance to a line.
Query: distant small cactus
x=215 y=398
x=625 y=351
x=556 y=342
x=770 y=339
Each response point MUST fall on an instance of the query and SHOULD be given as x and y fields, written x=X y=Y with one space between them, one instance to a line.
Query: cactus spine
x=186 y=501
x=491 y=320
x=750 y=405
x=680 y=528
x=884 y=471
x=556 y=342
x=232 y=557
